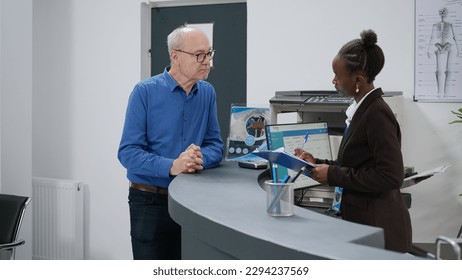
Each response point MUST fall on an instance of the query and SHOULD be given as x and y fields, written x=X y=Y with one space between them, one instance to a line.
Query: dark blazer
x=370 y=170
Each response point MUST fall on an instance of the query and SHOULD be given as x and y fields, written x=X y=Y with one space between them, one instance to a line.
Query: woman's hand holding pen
x=189 y=161
x=306 y=156
x=319 y=173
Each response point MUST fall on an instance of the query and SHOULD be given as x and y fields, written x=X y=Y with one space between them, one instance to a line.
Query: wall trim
x=176 y=3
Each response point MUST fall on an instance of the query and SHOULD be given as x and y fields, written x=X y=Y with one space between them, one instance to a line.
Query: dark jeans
x=155 y=236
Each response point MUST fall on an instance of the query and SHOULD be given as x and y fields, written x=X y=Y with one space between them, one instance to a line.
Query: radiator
x=58 y=226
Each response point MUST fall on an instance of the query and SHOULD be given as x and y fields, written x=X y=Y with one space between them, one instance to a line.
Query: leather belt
x=149 y=188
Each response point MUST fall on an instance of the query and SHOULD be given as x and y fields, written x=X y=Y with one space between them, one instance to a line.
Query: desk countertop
x=222 y=215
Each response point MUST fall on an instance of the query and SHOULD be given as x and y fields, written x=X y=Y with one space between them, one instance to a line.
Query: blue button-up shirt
x=161 y=122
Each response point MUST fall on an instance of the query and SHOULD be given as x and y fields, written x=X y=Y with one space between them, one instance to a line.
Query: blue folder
x=285 y=159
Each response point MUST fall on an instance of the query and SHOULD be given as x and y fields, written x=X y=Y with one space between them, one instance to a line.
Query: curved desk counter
x=222 y=214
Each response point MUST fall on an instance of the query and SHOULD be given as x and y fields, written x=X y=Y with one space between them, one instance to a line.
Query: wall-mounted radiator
x=58 y=227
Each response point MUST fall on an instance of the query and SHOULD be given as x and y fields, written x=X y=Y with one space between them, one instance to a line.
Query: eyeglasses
x=200 y=56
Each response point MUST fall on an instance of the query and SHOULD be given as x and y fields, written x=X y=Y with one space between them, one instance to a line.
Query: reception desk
x=222 y=214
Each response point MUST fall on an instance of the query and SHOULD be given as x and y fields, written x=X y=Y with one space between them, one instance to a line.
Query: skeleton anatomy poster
x=438 y=51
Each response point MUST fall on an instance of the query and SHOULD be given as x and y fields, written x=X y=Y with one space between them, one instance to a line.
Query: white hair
x=175 y=39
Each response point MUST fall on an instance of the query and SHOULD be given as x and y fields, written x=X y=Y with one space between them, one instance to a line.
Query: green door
x=229 y=75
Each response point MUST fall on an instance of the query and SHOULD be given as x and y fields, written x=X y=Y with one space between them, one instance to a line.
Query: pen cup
x=279 y=198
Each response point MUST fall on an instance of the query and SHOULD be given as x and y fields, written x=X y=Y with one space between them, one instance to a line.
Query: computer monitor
x=291 y=136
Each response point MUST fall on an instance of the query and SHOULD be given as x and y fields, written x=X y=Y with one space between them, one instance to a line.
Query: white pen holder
x=279 y=198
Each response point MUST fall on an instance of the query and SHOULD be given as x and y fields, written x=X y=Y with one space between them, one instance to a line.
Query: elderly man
x=171 y=127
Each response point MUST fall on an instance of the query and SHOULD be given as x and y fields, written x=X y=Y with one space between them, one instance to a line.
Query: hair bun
x=369 y=38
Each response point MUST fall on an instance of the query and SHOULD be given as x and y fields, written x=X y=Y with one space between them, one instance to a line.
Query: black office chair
x=12 y=210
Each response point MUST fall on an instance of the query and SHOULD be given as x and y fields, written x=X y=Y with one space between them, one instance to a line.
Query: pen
x=298 y=174
x=285 y=179
x=274 y=171
x=305 y=139
x=278 y=195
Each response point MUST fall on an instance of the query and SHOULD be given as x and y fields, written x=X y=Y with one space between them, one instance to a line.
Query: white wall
x=86 y=62
x=86 y=59
x=16 y=108
x=291 y=45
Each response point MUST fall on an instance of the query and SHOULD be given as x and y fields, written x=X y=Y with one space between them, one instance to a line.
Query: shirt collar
x=350 y=112
x=172 y=84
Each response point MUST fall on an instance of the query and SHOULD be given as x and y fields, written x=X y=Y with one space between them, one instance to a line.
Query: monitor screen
x=291 y=136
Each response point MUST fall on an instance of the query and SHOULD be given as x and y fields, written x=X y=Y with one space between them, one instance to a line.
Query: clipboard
x=285 y=159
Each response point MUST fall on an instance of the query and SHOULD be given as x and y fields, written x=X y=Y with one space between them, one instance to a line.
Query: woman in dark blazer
x=369 y=167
